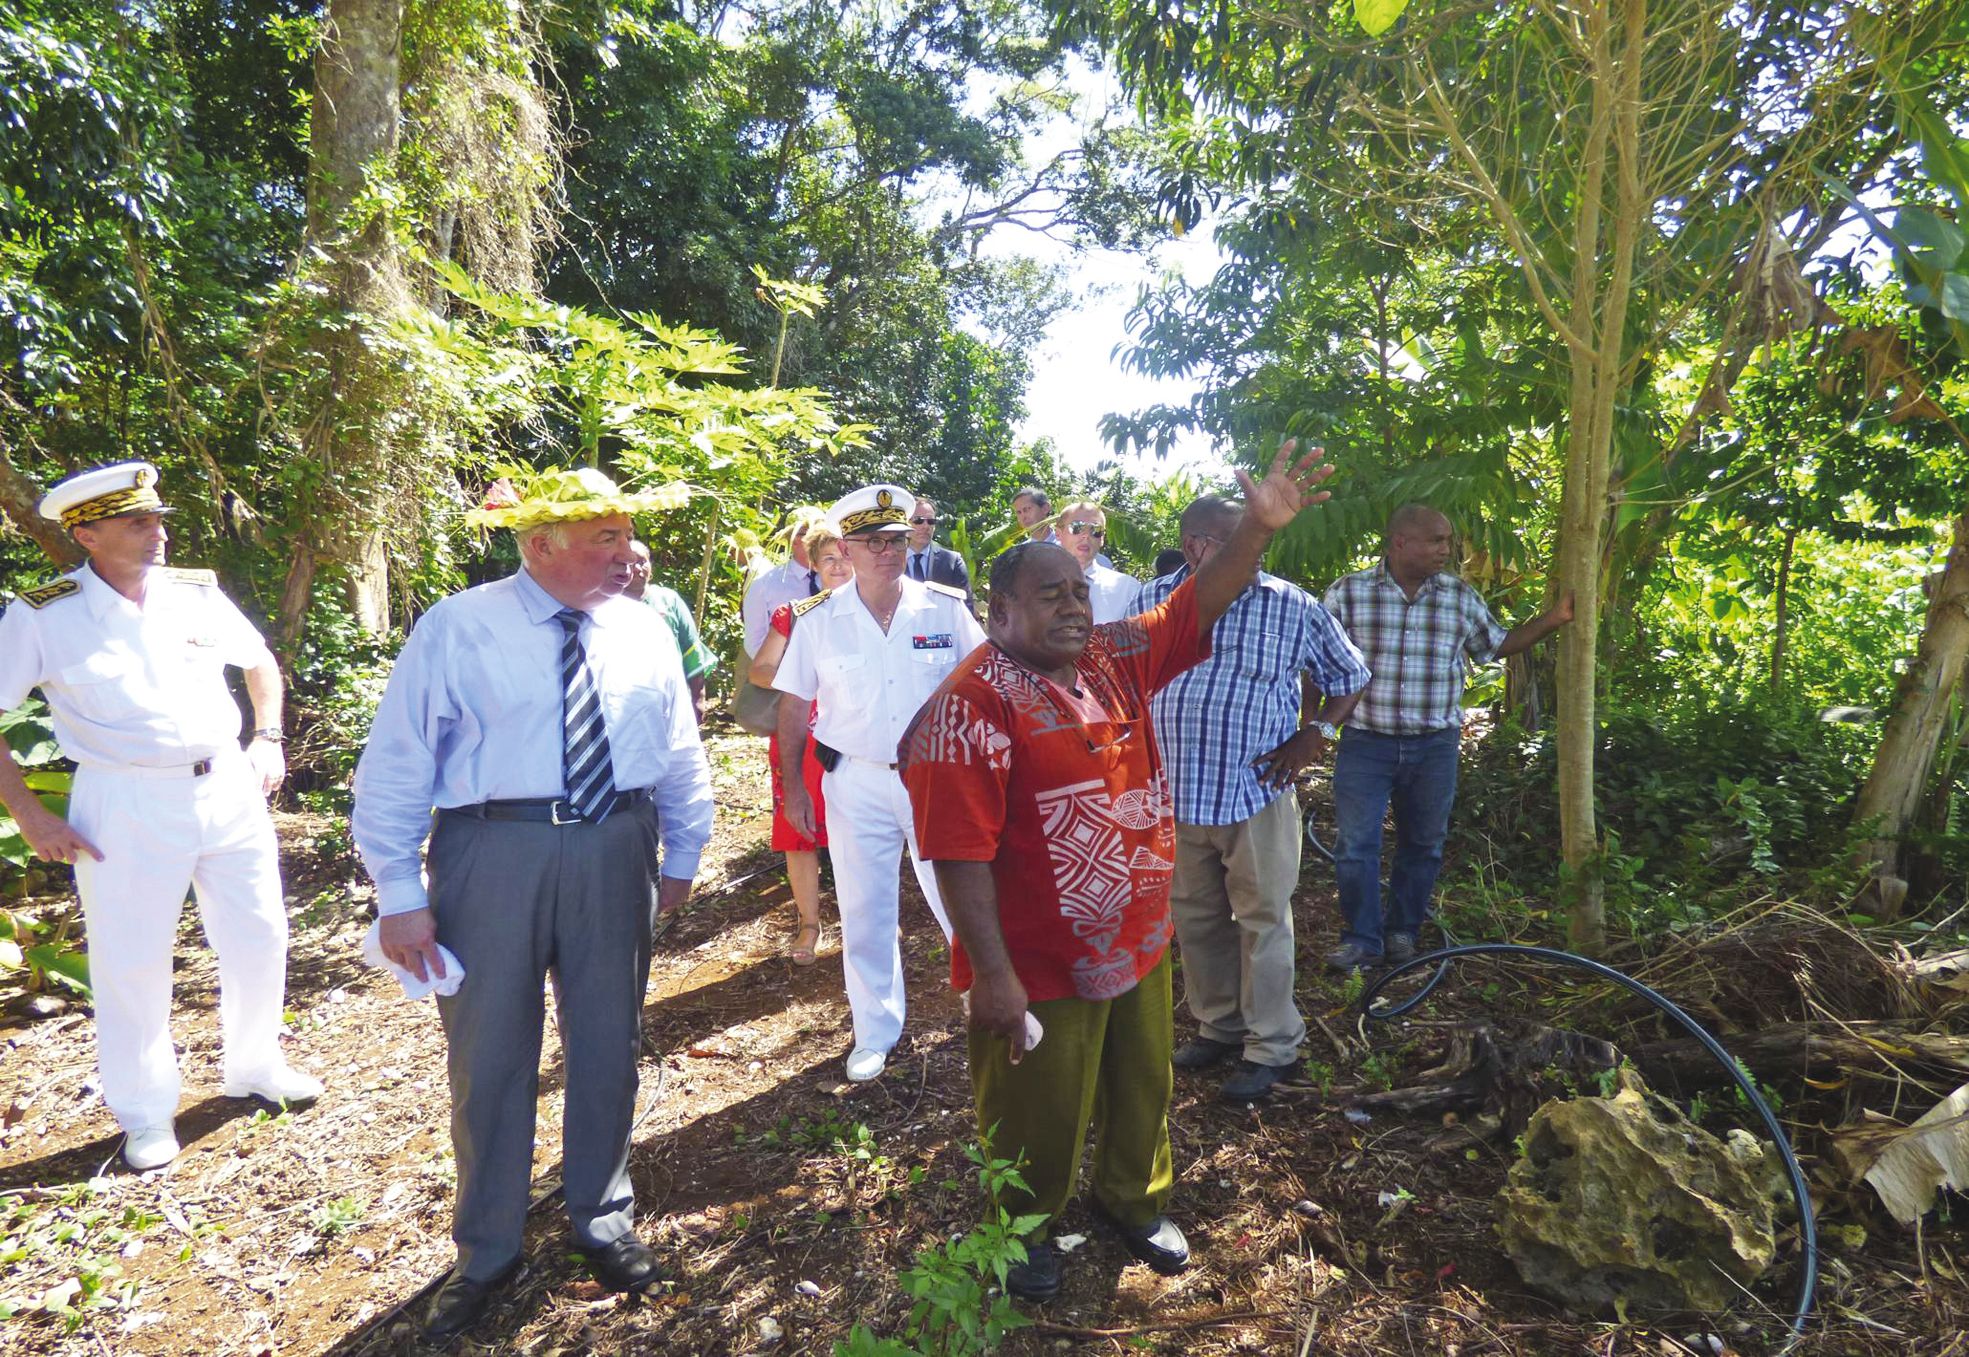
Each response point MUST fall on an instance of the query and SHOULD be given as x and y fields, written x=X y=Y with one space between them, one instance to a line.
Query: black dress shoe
x=1201 y=1053
x=1254 y=1082
x=461 y=1303
x=1037 y=1279
x=627 y=1264
x=1159 y=1243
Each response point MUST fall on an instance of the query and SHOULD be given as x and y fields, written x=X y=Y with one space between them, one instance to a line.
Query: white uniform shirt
x=868 y=686
x=788 y=582
x=1110 y=593
x=473 y=713
x=129 y=686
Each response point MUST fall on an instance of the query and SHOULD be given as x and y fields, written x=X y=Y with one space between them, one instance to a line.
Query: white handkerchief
x=413 y=988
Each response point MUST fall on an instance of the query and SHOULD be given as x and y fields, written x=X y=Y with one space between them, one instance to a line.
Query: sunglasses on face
x=922 y=522
x=1088 y=529
x=880 y=546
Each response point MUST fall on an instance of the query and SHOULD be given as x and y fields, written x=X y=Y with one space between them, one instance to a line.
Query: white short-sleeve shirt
x=131 y=686
x=867 y=686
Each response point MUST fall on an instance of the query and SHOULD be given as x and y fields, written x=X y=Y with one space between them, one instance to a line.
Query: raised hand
x=1288 y=487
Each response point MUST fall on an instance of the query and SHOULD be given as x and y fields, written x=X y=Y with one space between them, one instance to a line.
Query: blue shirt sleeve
x=396 y=778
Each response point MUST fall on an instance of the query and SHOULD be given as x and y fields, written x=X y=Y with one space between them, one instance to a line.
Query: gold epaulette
x=41 y=595
x=172 y=572
x=807 y=605
x=950 y=589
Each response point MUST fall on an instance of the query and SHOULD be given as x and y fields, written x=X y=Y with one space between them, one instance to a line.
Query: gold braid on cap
x=880 y=516
x=135 y=499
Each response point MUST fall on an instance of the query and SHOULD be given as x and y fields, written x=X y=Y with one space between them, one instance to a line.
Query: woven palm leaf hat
x=524 y=498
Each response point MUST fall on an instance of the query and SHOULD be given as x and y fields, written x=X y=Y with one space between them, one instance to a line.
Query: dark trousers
x=1416 y=775
x=512 y=900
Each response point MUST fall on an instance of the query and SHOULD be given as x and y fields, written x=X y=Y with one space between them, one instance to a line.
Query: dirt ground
x=785 y=1200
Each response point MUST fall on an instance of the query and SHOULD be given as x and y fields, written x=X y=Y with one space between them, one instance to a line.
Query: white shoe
x=865 y=1064
x=151 y=1147
x=282 y=1084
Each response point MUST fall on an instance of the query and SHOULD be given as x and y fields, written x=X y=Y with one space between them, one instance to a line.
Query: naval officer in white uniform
x=869 y=656
x=131 y=656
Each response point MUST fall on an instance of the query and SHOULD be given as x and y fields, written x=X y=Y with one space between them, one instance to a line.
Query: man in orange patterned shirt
x=1039 y=798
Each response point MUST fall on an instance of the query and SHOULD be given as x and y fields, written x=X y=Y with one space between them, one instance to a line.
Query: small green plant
x=1698 y=1107
x=1380 y=1067
x=338 y=1217
x=961 y=1307
x=1320 y=1074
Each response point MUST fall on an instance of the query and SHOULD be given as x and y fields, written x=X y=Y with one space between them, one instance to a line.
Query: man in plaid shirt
x=1420 y=628
x=1234 y=734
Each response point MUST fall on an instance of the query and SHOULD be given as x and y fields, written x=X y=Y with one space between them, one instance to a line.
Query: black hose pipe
x=1807 y=1228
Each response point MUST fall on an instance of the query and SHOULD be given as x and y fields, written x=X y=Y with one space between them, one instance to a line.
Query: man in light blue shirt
x=1234 y=733
x=545 y=718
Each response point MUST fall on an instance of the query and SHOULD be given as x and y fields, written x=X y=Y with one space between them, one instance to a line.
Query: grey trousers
x=1232 y=897
x=513 y=899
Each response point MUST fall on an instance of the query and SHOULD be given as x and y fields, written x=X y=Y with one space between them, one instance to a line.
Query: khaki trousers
x=1102 y=1065
x=1232 y=898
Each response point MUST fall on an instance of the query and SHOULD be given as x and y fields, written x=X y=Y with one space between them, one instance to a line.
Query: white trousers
x=159 y=836
x=868 y=825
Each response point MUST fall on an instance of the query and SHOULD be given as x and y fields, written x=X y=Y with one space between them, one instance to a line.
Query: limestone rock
x=1625 y=1197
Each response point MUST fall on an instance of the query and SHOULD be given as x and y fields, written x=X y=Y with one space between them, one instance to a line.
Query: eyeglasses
x=925 y=522
x=880 y=545
x=1088 y=530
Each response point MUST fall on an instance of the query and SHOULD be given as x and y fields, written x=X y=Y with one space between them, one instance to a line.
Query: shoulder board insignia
x=43 y=594
x=209 y=577
x=807 y=605
x=950 y=590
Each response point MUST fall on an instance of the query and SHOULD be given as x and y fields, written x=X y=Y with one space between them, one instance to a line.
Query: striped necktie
x=584 y=740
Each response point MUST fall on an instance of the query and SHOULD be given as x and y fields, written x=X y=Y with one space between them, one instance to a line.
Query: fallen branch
x=1167 y=1326
x=1812 y=1050
x=1495 y=1069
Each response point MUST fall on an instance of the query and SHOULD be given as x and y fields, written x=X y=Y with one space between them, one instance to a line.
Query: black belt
x=201 y=768
x=548 y=810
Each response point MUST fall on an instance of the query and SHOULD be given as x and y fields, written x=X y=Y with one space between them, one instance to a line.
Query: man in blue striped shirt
x=1233 y=739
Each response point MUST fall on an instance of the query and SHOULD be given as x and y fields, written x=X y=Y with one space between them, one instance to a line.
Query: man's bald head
x=1419 y=542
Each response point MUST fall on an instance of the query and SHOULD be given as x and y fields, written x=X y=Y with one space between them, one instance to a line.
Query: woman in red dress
x=830 y=562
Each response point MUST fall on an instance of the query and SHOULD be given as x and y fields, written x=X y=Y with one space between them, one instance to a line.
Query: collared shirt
x=1111 y=594
x=129 y=686
x=788 y=582
x=869 y=685
x=1244 y=701
x=473 y=713
x=1419 y=649
x=676 y=614
x=1064 y=797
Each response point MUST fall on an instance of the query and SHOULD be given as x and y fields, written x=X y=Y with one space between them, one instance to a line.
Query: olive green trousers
x=1102 y=1066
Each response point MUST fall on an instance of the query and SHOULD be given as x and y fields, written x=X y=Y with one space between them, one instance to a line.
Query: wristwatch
x=271 y=734
x=1328 y=729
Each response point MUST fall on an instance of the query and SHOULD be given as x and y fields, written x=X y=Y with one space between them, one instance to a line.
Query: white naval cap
x=104 y=492
x=873 y=508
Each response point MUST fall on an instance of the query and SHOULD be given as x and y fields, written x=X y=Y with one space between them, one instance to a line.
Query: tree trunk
x=295 y=595
x=19 y=496
x=1783 y=609
x=355 y=125
x=1602 y=280
x=369 y=583
x=1894 y=789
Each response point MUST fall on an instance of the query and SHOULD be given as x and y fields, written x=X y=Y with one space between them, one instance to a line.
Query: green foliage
x=1703 y=803
x=61 y=1250
x=961 y=1307
x=48 y=949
